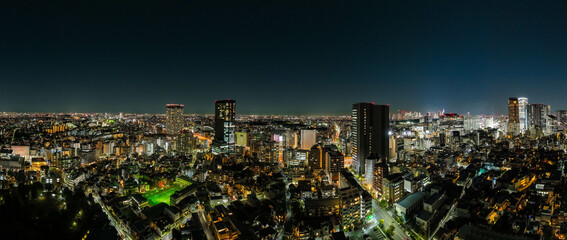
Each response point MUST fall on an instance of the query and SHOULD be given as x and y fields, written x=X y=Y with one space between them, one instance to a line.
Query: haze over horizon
x=281 y=57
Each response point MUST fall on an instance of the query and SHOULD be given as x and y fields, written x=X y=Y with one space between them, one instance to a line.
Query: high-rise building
x=308 y=138
x=380 y=172
x=513 y=116
x=523 y=114
x=336 y=162
x=370 y=125
x=562 y=119
x=537 y=115
x=317 y=157
x=242 y=139
x=393 y=147
x=185 y=142
x=225 y=114
x=174 y=121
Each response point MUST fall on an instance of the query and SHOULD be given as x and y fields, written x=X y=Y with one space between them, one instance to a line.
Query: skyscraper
x=174 y=118
x=225 y=113
x=523 y=114
x=537 y=115
x=513 y=116
x=308 y=138
x=562 y=118
x=370 y=124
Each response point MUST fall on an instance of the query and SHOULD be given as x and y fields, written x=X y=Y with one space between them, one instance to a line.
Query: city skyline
x=281 y=58
x=283 y=120
x=212 y=113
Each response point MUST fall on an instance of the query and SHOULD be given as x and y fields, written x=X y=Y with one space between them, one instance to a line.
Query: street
x=380 y=213
x=206 y=227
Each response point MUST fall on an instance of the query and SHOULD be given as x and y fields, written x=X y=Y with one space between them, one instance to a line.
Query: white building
x=523 y=114
x=308 y=138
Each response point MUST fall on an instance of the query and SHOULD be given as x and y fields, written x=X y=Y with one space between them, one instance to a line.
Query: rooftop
x=411 y=199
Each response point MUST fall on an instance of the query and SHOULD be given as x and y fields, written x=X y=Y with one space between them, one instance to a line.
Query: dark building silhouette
x=370 y=125
x=225 y=112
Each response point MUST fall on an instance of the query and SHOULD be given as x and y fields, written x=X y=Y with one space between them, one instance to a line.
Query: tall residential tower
x=174 y=118
x=370 y=125
x=513 y=116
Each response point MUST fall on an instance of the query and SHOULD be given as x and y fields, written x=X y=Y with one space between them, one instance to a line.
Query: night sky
x=280 y=57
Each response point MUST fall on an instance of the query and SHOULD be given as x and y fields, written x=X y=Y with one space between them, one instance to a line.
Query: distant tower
x=308 y=138
x=523 y=114
x=225 y=114
x=537 y=115
x=370 y=125
x=174 y=118
x=513 y=116
x=562 y=117
x=185 y=142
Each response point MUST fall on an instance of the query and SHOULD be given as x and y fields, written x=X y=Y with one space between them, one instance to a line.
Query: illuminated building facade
x=380 y=171
x=185 y=142
x=393 y=188
x=370 y=125
x=523 y=114
x=317 y=157
x=537 y=116
x=513 y=116
x=225 y=113
x=308 y=138
x=327 y=158
x=174 y=118
x=562 y=118
x=242 y=139
x=336 y=162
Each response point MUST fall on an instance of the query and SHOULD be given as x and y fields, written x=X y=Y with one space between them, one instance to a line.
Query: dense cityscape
x=283 y=120
x=376 y=174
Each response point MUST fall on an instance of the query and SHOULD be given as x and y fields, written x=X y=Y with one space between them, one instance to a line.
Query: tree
x=383 y=203
x=390 y=230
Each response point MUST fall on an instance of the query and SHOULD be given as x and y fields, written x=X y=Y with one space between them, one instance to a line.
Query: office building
x=336 y=162
x=523 y=114
x=327 y=158
x=185 y=142
x=537 y=116
x=562 y=119
x=370 y=125
x=513 y=116
x=393 y=188
x=317 y=157
x=242 y=139
x=380 y=172
x=225 y=114
x=174 y=121
x=308 y=138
